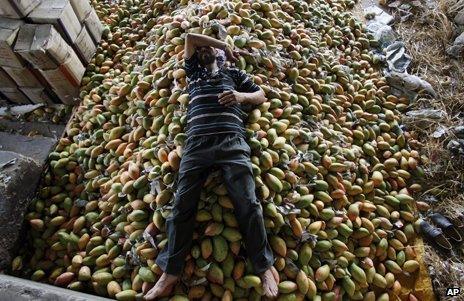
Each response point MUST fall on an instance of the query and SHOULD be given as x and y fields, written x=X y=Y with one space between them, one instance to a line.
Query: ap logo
x=453 y=291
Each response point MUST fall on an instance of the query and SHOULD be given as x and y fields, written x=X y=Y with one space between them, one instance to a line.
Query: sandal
x=448 y=228
x=434 y=235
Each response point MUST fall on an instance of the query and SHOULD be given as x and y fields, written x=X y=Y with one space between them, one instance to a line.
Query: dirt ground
x=427 y=33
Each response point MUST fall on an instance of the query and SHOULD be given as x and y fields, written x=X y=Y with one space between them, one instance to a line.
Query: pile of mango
x=332 y=165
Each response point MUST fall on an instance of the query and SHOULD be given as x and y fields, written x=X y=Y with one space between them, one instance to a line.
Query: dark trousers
x=232 y=154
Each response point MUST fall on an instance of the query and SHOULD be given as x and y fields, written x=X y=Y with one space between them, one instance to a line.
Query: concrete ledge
x=19 y=176
x=24 y=127
x=18 y=289
x=38 y=148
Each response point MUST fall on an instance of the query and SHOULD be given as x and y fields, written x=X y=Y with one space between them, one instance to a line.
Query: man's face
x=206 y=55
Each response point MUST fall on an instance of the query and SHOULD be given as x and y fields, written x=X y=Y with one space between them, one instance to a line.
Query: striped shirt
x=205 y=115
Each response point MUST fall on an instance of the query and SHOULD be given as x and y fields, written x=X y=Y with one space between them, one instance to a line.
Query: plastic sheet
x=418 y=283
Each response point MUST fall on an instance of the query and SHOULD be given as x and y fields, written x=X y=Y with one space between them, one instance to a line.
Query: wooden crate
x=23 y=77
x=59 y=13
x=82 y=8
x=36 y=95
x=85 y=46
x=15 y=95
x=94 y=26
x=9 y=29
x=65 y=80
x=5 y=80
x=42 y=46
x=17 y=9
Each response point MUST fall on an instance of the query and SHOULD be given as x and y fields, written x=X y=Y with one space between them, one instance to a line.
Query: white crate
x=15 y=95
x=42 y=46
x=36 y=95
x=82 y=8
x=65 y=80
x=5 y=80
x=85 y=46
x=59 y=13
x=17 y=9
x=94 y=26
x=23 y=77
x=8 y=31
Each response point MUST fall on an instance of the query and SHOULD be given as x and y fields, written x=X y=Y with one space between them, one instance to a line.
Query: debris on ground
x=408 y=84
x=56 y=114
x=383 y=33
x=374 y=13
x=428 y=36
x=19 y=110
x=398 y=59
x=457 y=49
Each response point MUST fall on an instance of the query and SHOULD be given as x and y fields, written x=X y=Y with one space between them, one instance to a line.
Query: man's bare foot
x=269 y=283
x=162 y=287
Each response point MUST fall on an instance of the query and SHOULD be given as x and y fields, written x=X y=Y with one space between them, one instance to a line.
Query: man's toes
x=266 y=289
x=275 y=291
x=275 y=274
x=146 y=287
x=269 y=292
x=152 y=294
x=149 y=297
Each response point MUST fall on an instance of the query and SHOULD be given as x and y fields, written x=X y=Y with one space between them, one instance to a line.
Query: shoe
x=447 y=226
x=458 y=222
x=434 y=236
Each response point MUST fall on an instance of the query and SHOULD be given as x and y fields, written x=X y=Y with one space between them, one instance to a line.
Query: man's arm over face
x=194 y=40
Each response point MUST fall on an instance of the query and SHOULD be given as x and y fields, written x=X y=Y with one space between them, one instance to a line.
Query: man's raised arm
x=194 y=40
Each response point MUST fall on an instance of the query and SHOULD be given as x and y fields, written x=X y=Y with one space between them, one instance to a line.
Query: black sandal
x=447 y=226
x=434 y=236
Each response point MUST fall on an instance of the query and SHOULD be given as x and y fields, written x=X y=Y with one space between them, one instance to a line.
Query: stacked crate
x=17 y=9
x=10 y=63
x=44 y=48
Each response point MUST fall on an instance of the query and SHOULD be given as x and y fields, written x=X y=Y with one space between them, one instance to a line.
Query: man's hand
x=233 y=55
x=232 y=97
x=229 y=98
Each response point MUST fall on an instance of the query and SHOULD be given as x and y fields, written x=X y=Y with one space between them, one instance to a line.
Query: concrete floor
x=17 y=289
x=35 y=147
x=39 y=128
